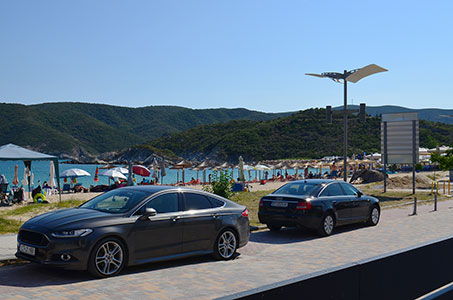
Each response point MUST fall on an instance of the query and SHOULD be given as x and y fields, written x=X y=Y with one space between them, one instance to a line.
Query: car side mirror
x=359 y=194
x=149 y=212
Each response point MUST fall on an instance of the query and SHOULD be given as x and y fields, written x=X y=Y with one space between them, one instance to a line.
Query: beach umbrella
x=108 y=166
x=260 y=167
x=16 y=179
x=163 y=171
x=96 y=175
x=241 y=169
x=3 y=179
x=155 y=169
x=74 y=172
x=113 y=174
x=141 y=170
x=203 y=166
x=182 y=165
x=26 y=174
x=51 y=181
x=121 y=170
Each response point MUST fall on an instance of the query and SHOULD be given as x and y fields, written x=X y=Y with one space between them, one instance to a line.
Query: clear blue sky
x=231 y=53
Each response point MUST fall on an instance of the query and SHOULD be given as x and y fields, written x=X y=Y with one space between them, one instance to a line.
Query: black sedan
x=318 y=204
x=135 y=225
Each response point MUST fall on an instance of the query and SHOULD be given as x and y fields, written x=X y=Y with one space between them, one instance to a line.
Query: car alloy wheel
x=327 y=225
x=374 y=216
x=226 y=245
x=107 y=258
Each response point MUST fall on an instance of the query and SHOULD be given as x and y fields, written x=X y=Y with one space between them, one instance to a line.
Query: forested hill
x=301 y=135
x=80 y=128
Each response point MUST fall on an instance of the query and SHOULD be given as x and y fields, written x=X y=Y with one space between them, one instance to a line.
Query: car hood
x=70 y=217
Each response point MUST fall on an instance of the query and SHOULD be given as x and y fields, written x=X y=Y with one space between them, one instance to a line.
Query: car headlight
x=71 y=233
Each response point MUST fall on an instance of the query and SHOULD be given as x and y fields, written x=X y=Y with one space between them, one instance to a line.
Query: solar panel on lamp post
x=352 y=76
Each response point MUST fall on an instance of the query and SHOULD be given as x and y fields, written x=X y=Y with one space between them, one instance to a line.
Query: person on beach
x=333 y=171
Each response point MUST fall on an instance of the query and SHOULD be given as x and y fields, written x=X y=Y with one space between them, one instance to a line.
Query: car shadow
x=31 y=275
x=296 y=235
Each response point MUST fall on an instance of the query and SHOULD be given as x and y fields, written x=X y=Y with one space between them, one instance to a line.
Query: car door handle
x=334 y=202
x=174 y=219
x=214 y=216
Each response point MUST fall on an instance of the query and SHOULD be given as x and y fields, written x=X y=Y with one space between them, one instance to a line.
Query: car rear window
x=215 y=202
x=298 y=189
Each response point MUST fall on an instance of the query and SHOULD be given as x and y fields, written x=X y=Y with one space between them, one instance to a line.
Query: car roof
x=317 y=181
x=152 y=189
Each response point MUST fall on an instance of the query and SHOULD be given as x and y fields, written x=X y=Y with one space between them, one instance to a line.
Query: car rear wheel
x=274 y=227
x=375 y=214
x=226 y=245
x=327 y=225
x=107 y=258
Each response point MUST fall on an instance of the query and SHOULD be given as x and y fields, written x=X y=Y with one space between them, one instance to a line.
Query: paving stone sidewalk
x=269 y=257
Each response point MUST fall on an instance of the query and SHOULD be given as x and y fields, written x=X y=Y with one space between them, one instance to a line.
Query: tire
x=374 y=217
x=101 y=266
x=327 y=225
x=274 y=227
x=226 y=245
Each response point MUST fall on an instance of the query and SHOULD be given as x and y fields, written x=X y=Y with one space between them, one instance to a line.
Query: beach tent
x=14 y=152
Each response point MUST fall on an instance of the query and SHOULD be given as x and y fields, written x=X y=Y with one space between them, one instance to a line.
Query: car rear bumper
x=306 y=220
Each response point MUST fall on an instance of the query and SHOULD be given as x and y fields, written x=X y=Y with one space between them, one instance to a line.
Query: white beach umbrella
x=74 y=173
x=51 y=182
x=121 y=170
x=111 y=173
x=262 y=168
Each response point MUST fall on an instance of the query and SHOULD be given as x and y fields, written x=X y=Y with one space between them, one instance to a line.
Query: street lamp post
x=352 y=76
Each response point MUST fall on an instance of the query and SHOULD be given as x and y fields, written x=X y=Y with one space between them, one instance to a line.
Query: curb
x=256 y=228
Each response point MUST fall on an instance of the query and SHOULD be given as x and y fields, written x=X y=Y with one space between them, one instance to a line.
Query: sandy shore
x=256 y=186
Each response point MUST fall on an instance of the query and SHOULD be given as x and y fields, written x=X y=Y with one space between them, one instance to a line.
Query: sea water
x=41 y=170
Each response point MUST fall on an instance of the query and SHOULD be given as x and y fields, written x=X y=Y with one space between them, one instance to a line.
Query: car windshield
x=116 y=201
x=298 y=189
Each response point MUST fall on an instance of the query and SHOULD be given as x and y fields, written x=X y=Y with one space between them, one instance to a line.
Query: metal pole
x=414 y=158
x=385 y=157
x=415 y=207
x=345 y=112
x=435 y=202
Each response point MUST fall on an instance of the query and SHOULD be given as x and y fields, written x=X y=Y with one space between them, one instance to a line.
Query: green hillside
x=75 y=128
x=301 y=135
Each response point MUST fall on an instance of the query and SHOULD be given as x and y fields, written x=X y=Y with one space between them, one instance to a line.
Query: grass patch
x=9 y=226
x=252 y=201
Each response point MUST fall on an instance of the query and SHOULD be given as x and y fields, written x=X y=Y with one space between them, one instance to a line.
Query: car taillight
x=261 y=203
x=245 y=213
x=304 y=205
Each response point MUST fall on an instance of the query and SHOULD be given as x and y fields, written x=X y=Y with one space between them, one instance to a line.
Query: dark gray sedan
x=318 y=204
x=135 y=225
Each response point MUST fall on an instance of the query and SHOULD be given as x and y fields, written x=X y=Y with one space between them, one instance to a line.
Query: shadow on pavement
x=295 y=235
x=35 y=275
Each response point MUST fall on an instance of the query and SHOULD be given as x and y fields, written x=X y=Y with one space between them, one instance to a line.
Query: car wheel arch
x=115 y=236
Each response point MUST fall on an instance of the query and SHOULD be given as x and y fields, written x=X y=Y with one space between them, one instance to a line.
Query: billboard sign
x=400 y=138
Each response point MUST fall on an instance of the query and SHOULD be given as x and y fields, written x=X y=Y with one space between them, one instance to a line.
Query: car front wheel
x=107 y=258
x=375 y=214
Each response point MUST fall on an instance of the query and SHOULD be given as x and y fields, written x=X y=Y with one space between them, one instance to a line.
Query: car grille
x=33 y=238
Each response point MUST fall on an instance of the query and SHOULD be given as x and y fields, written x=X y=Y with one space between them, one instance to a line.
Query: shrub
x=221 y=185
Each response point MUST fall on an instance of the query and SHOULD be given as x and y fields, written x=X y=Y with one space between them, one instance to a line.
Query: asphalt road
x=269 y=257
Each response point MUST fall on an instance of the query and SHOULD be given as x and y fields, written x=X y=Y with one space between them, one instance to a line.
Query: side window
x=165 y=203
x=196 y=201
x=349 y=189
x=335 y=190
x=215 y=202
x=332 y=190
